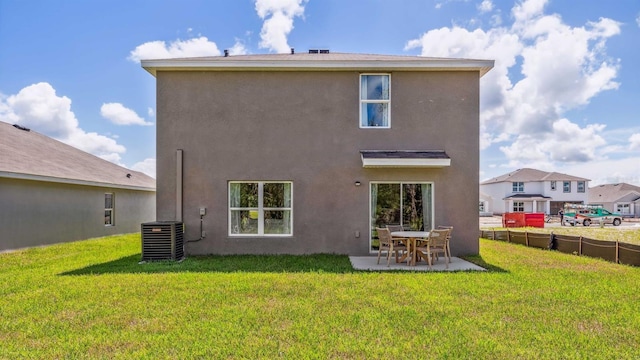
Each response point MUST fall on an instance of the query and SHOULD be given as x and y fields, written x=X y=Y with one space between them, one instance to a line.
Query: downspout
x=179 y=185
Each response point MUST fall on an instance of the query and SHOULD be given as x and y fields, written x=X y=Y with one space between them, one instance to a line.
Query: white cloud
x=180 y=48
x=608 y=171
x=638 y=20
x=485 y=6
x=277 y=27
x=120 y=115
x=238 y=48
x=147 y=166
x=151 y=112
x=634 y=142
x=40 y=109
x=543 y=68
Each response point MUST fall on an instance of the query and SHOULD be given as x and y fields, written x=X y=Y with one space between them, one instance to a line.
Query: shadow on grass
x=328 y=263
x=478 y=260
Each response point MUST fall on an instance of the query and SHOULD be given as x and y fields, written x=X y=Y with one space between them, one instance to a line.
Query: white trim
x=429 y=64
x=407 y=163
x=52 y=179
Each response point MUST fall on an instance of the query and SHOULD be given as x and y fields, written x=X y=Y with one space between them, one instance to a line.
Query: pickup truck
x=593 y=216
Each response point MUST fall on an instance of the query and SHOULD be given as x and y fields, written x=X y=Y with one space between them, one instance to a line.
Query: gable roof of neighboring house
x=532 y=175
x=317 y=62
x=26 y=154
x=608 y=193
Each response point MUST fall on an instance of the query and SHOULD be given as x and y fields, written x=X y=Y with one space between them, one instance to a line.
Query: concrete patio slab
x=369 y=263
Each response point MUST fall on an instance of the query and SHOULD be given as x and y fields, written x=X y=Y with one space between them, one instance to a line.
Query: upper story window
x=553 y=185
x=580 y=186
x=518 y=186
x=566 y=186
x=260 y=208
x=375 y=100
x=108 y=210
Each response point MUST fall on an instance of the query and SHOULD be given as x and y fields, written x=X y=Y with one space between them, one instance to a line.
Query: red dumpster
x=534 y=220
x=513 y=220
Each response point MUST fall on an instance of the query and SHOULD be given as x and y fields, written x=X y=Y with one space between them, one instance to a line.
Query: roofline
x=11 y=175
x=155 y=65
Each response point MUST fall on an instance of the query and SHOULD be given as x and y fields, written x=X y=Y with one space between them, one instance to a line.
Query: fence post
x=580 y=247
x=526 y=238
x=508 y=235
x=617 y=252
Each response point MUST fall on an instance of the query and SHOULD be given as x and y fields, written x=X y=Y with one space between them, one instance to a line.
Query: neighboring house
x=51 y=192
x=308 y=153
x=531 y=190
x=622 y=198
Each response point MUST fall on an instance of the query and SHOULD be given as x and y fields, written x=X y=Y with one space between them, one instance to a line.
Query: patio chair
x=388 y=244
x=398 y=241
x=450 y=228
x=393 y=228
x=435 y=244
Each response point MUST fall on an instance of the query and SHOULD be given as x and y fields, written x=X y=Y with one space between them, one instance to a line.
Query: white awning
x=405 y=158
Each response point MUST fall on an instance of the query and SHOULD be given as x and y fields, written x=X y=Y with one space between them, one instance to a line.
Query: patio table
x=411 y=239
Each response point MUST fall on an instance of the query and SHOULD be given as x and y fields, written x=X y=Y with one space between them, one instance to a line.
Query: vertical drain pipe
x=179 y=185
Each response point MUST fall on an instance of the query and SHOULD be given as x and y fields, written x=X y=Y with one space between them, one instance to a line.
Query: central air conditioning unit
x=162 y=240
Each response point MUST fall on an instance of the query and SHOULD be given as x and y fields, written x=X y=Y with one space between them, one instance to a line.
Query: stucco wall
x=304 y=128
x=36 y=213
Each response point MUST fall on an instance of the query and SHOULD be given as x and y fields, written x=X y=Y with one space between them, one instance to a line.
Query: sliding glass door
x=409 y=205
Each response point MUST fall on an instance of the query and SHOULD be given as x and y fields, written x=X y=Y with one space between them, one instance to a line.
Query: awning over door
x=405 y=158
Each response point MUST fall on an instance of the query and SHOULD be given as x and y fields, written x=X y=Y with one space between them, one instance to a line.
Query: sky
x=564 y=94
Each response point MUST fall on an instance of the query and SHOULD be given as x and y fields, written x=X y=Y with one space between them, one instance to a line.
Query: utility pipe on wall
x=179 y=185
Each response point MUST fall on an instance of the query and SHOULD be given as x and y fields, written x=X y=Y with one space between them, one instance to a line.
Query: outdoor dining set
x=414 y=246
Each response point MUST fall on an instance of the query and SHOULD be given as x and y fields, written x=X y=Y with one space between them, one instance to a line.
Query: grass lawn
x=91 y=299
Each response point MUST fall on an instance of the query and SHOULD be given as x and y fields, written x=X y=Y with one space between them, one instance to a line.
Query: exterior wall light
x=357 y=183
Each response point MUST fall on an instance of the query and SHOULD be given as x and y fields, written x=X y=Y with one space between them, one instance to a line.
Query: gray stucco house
x=621 y=198
x=51 y=192
x=309 y=152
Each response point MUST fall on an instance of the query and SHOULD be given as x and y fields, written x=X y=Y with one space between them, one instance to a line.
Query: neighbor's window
x=260 y=208
x=553 y=185
x=518 y=206
x=375 y=100
x=518 y=186
x=566 y=186
x=580 y=186
x=108 y=209
x=481 y=206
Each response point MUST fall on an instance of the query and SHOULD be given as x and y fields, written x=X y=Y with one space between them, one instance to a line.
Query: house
x=621 y=198
x=531 y=190
x=309 y=152
x=51 y=192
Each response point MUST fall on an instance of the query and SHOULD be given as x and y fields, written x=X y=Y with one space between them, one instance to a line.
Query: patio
x=369 y=263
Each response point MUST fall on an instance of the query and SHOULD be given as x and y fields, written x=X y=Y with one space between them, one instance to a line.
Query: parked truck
x=589 y=214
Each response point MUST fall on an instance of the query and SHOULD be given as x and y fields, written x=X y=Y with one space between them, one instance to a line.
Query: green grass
x=92 y=300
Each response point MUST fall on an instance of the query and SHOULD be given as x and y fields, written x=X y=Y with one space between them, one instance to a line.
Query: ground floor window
x=409 y=205
x=108 y=209
x=518 y=206
x=481 y=206
x=262 y=208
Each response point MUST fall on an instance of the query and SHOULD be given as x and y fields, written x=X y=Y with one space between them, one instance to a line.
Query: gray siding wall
x=304 y=127
x=34 y=213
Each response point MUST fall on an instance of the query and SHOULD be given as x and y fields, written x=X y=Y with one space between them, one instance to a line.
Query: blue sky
x=564 y=95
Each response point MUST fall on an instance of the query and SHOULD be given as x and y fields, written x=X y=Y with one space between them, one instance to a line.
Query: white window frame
x=519 y=205
x=110 y=210
x=517 y=186
x=363 y=101
x=553 y=185
x=566 y=186
x=581 y=186
x=260 y=209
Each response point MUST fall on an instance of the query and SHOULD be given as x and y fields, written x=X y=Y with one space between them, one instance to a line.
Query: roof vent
x=318 y=51
x=226 y=53
x=21 y=127
x=293 y=51
x=313 y=51
x=129 y=176
x=324 y=51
